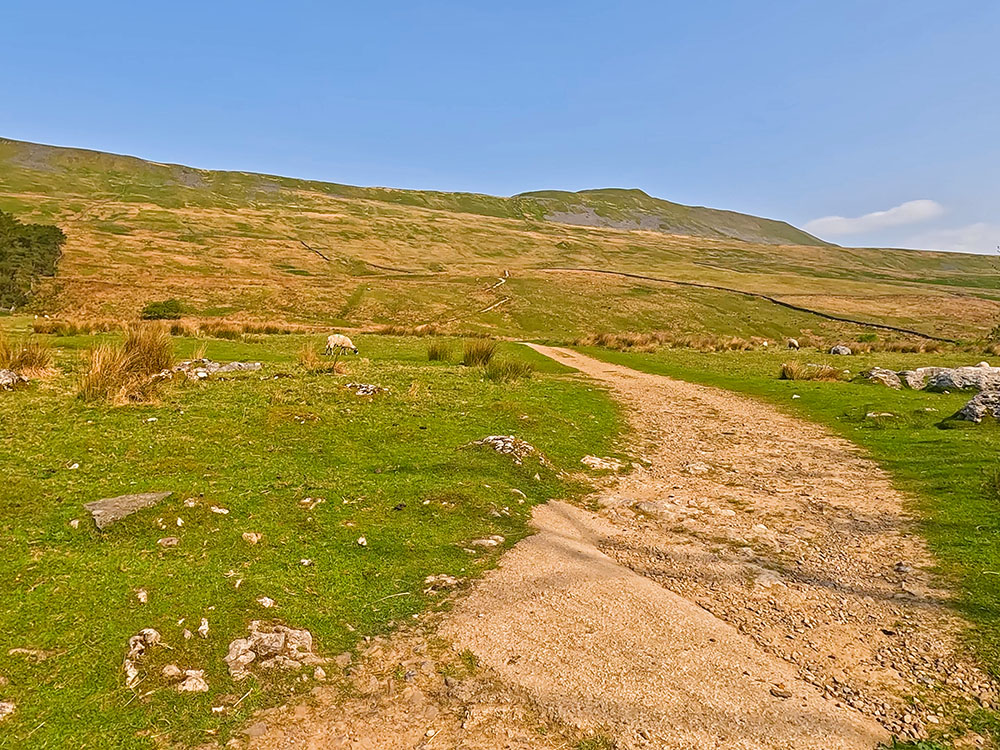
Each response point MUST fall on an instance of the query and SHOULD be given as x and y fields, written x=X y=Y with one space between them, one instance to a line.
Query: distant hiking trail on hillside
x=754 y=585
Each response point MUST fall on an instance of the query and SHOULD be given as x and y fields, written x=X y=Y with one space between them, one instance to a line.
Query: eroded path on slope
x=756 y=585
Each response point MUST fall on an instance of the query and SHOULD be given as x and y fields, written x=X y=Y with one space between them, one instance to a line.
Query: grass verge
x=388 y=468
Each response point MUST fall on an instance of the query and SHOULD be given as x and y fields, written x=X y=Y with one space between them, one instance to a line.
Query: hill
x=633 y=209
x=251 y=246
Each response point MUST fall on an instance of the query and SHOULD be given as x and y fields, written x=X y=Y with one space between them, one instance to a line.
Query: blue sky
x=872 y=122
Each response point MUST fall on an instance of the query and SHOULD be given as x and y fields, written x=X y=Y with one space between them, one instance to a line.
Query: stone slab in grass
x=111 y=509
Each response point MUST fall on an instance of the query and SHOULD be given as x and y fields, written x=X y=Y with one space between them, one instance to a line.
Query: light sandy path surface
x=755 y=584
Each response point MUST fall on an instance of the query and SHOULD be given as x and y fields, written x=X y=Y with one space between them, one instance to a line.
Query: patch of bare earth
x=756 y=585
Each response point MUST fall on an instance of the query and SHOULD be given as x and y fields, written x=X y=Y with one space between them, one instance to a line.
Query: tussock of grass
x=479 y=353
x=75 y=327
x=125 y=373
x=504 y=370
x=799 y=371
x=439 y=351
x=30 y=358
x=311 y=362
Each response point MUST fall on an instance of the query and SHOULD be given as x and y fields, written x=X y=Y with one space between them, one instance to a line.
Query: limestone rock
x=983 y=404
x=111 y=509
x=9 y=380
x=841 y=349
x=885 y=377
x=273 y=647
x=982 y=377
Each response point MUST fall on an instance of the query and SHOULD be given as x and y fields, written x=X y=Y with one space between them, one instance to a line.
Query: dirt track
x=755 y=585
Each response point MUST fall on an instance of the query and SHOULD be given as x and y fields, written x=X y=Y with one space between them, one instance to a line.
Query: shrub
x=30 y=358
x=439 y=351
x=127 y=372
x=503 y=370
x=479 y=353
x=799 y=371
x=168 y=309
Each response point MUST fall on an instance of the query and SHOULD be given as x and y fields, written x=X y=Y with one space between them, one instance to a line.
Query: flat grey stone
x=111 y=509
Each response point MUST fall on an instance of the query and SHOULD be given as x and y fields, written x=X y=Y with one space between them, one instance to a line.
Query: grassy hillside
x=239 y=245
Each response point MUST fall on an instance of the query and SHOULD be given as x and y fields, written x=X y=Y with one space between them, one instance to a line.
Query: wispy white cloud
x=910 y=212
x=980 y=237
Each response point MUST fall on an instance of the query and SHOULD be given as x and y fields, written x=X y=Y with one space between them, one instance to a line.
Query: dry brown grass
x=128 y=372
x=799 y=371
x=650 y=342
x=313 y=363
x=30 y=358
x=76 y=326
x=426 y=329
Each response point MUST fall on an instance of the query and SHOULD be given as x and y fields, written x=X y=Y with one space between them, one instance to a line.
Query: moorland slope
x=252 y=246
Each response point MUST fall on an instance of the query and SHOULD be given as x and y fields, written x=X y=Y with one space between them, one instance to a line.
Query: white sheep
x=338 y=342
x=793 y=344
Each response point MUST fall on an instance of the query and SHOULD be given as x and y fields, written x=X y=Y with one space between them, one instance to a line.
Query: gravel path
x=755 y=583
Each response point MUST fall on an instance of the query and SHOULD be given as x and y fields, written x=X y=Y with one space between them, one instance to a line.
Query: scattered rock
x=885 y=377
x=220 y=511
x=509 y=446
x=6 y=707
x=696 y=468
x=917 y=379
x=365 y=389
x=137 y=646
x=203 y=628
x=111 y=509
x=362 y=542
x=266 y=602
x=9 y=380
x=981 y=405
x=75 y=523
x=200 y=369
x=142 y=596
x=168 y=541
x=252 y=537
x=270 y=646
x=439 y=583
x=602 y=464
x=171 y=672
x=780 y=691
x=490 y=541
x=344 y=660
x=842 y=350
x=880 y=415
x=319 y=674
x=194 y=682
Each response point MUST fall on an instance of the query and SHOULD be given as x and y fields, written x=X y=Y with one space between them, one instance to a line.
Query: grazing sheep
x=338 y=342
x=793 y=344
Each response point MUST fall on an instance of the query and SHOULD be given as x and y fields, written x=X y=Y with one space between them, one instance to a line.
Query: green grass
x=391 y=468
x=950 y=474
